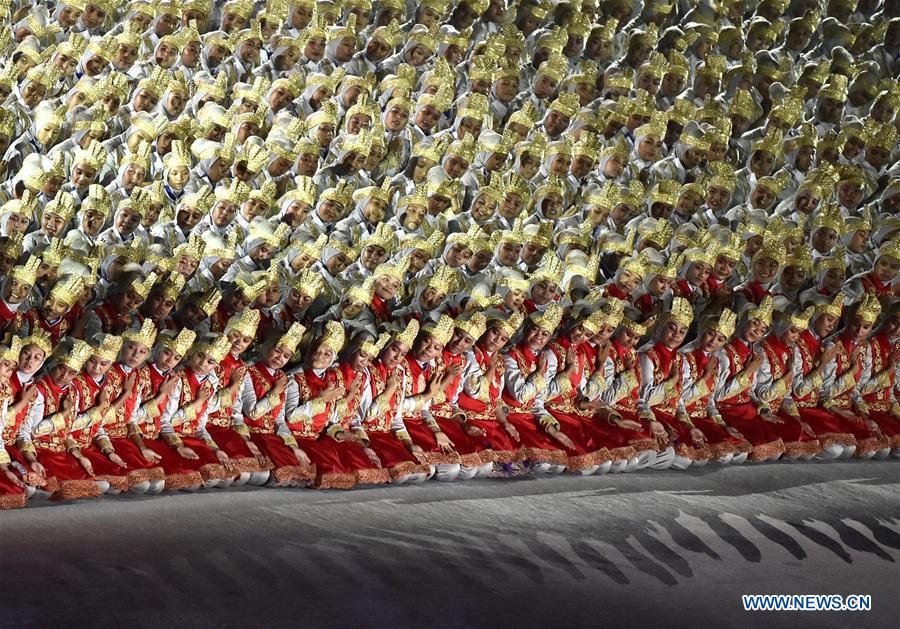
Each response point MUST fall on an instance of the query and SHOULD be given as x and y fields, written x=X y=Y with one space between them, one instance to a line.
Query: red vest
x=111 y=320
x=666 y=362
x=222 y=417
x=696 y=361
x=526 y=361
x=738 y=354
x=617 y=353
x=310 y=387
x=442 y=409
x=55 y=330
x=115 y=382
x=53 y=395
x=483 y=409
x=190 y=386
x=778 y=354
x=378 y=377
x=263 y=381
x=565 y=401
x=881 y=348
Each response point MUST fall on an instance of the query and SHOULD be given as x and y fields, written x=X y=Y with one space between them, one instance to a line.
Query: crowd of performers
x=341 y=242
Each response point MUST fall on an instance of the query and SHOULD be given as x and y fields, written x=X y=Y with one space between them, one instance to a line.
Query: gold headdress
x=26 y=274
x=372 y=349
x=68 y=289
x=74 y=358
x=444 y=280
x=681 y=312
x=108 y=346
x=801 y=319
x=11 y=353
x=41 y=339
x=474 y=326
x=408 y=335
x=549 y=319
x=180 y=344
x=334 y=337
x=216 y=348
x=762 y=312
x=142 y=287
x=868 y=308
x=442 y=330
x=146 y=335
x=726 y=323
x=292 y=337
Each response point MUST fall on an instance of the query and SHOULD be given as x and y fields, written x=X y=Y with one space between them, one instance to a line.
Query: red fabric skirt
x=287 y=470
x=796 y=440
x=720 y=441
x=829 y=428
x=331 y=471
x=73 y=481
x=890 y=426
x=496 y=443
x=104 y=469
x=765 y=440
x=395 y=458
x=139 y=468
x=179 y=473
x=537 y=446
x=206 y=463
x=620 y=442
x=423 y=437
x=640 y=440
x=683 y=443
x=353 y=458
x=587 y=439
x=235 y=446
x=470 y=449
x=11 y=495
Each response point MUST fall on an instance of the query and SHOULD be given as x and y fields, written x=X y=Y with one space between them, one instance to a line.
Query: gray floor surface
x=651 y=549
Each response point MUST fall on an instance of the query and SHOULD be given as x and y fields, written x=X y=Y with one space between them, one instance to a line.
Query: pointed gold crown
x=868 y=308
x=334 y=337
x=146 y=335
x=307 y=282
x=107 y=346
x=142 y=288
x=408 y=335
x=41 y=339
x=216 y=347
x=442 y=330
x=772 y=248
x=312 y=248
x=12 y=352
x=551 y=269
x=26 y=274
x=474 y=326
x=611 y=312
x=180 y=344
x=510 y=325
x=173 y=285
x=251 y=291
x=726 y=324
x=549 y=319
x=801 y=319
x=63 y=206
x=244 y=322
x=68 y=289
x=762 y=312
x=74 y=359
x=681 y=312
x=369 y=348
x=209 y=303
x=444 y=280
x=292 y=337
x=834 y=308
